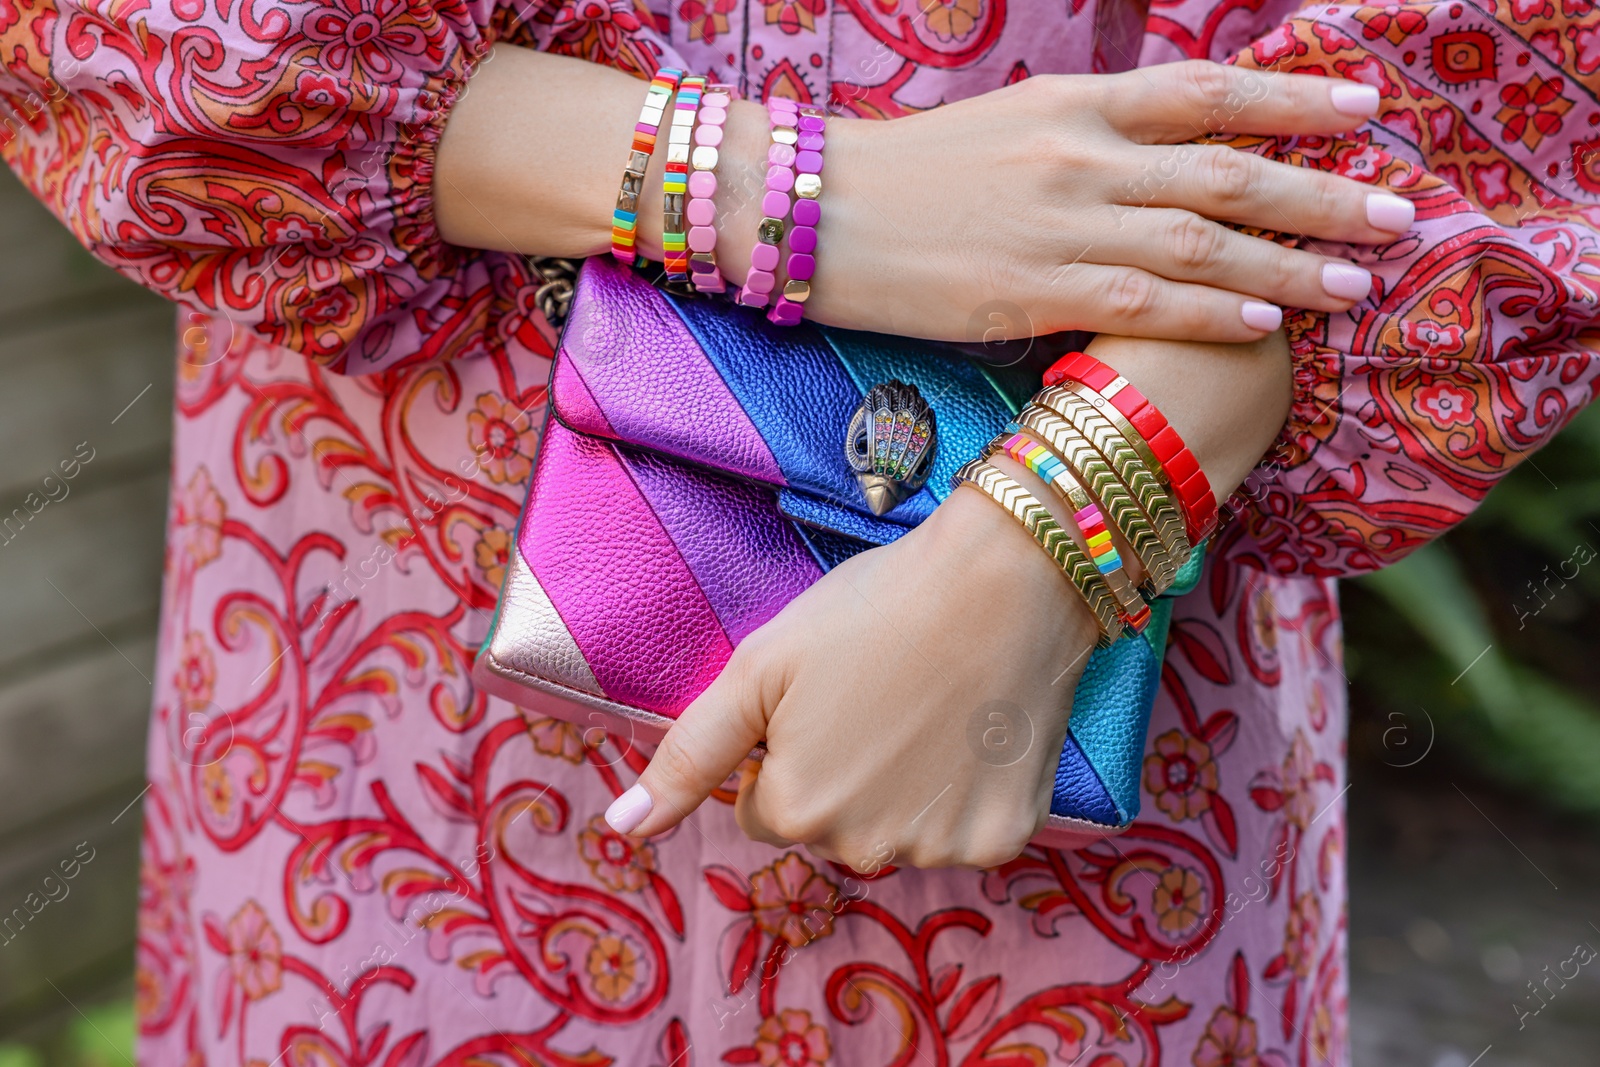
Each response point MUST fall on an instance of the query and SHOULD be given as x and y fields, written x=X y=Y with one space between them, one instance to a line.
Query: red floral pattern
x=352 y=858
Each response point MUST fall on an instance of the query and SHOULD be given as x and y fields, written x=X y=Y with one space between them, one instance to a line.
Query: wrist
x=993 y=551
x=1227 y=401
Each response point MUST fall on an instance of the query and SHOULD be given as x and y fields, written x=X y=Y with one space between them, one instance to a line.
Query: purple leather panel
x=579 y=410
x=650 y=378
x=748 y=559
x=619 y=584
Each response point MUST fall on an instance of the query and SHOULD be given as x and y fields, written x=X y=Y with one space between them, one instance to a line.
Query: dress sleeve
x=1477 y=344
x=272 y=163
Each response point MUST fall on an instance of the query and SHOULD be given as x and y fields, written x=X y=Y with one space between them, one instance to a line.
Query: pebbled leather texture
x=627 y=597
x=528 y=637
x=692 y=481
x=648 y=380
x=719 y=527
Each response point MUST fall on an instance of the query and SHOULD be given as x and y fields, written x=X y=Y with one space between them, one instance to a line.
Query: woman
x=350 y=857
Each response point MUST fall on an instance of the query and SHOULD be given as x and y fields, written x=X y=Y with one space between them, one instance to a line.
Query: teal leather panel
x=970 y=409
x=1126 y=675
x=1111 y=711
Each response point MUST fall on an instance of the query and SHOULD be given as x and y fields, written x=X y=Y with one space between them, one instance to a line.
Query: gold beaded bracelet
x=1057 y=542
x=1090 y=520
x=1110 y=432
x=1108 y=488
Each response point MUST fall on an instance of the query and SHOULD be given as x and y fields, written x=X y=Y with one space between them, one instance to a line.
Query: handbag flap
x=723 y=389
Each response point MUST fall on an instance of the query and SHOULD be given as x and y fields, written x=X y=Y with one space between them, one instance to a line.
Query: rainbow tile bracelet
x=1091 y=521
x=625 y=218
x=675 y=179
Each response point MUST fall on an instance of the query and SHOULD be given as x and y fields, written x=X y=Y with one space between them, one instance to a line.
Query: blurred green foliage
x=97 y=1036
x=1491 y=636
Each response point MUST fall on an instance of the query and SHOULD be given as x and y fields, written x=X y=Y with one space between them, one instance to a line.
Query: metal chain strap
x=554 y=295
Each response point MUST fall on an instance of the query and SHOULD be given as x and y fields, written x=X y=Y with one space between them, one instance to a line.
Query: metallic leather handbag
x=700 y=468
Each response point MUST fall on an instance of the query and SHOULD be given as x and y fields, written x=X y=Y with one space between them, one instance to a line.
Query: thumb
x=700 y=750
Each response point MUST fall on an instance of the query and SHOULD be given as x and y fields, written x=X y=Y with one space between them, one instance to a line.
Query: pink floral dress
x=352 y=858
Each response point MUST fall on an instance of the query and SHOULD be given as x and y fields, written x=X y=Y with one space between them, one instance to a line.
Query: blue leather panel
x=789 y=383
x=1078 y=791
x=1015 y=384
x=829 y=549
x=863 y=526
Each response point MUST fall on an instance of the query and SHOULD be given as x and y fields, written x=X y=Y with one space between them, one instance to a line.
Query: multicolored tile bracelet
x=763 y=277
x=807 y=212
x=1108 y=485
x=625 y=219
x=675 y=179
x=702 y=209
x=1039 y=459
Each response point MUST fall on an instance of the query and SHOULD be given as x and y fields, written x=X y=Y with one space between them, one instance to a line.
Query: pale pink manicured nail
x=1345 y=281
x=1390 y=213
x=1358 y=100
x=629 y=810
x=1259 y=316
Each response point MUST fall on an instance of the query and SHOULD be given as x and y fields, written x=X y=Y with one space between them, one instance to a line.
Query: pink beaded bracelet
x=764 y=257
x=807 y=212
x=701 y=211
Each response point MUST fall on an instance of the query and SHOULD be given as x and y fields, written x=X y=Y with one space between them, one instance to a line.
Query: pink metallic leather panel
x=579 y=409
x=613 y=313
x=618 y=582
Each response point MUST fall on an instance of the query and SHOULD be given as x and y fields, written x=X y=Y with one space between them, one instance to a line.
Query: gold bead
x=704 y=157
x=797 y=290
x=808 y=186
x=785 y=135
x=770 y=231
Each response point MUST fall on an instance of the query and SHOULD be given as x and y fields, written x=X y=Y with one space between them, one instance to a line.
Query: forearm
x=532 y=158
x=1227 y=401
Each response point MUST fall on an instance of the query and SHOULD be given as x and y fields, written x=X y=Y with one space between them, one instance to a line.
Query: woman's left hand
x=914 y=703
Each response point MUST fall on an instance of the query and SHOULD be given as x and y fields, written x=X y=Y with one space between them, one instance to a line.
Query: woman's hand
x=1069 y=202
x=914 y=703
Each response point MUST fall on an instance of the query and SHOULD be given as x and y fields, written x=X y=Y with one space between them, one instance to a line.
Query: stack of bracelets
x=1089 y=434
x=1112 y=457
x=790 y=209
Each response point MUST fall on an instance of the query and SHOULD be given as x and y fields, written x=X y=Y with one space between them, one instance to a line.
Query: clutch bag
x=696 y=473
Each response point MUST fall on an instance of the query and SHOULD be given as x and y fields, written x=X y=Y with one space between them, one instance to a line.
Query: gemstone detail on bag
x=891 y=443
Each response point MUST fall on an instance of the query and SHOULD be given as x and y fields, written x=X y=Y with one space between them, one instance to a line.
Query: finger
x=1138 y=303
x=1182 y=101
x=1232 y=186
x=701 y=749
x=752 y=826
x=1183 y=246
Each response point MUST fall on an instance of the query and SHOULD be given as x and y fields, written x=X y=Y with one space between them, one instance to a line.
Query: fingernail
x=1353 y=99
x=1259 y=316
x=629 y=810
x=1388 y=212
x=1346 y=281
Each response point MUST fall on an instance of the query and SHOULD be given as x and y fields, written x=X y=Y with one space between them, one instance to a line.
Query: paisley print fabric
x=353 y=858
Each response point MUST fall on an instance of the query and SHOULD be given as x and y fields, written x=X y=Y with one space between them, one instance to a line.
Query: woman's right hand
x=1075 y=199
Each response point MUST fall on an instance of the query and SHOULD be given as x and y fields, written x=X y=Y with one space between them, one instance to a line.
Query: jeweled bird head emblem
x=891 y=443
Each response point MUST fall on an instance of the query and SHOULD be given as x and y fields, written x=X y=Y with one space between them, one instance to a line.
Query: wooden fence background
x=85 y=364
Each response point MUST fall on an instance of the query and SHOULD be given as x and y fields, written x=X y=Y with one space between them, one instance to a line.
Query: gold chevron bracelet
x=1126 y=448
x=1101 y=479
x=1061 y=478
x=1058 y=544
